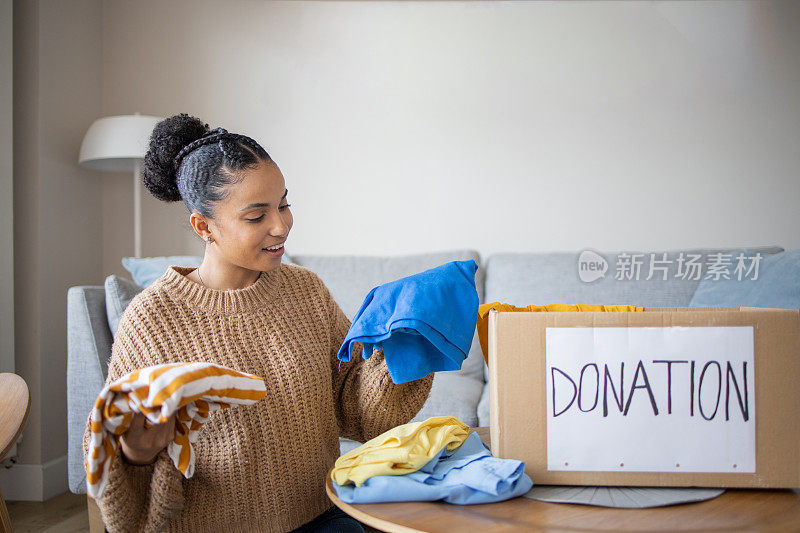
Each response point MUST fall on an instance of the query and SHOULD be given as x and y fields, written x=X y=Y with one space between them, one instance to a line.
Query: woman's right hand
x=141 y=445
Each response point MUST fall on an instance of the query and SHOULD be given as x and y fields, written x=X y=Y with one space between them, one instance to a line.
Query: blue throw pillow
x=777 y=284
x=145 y=270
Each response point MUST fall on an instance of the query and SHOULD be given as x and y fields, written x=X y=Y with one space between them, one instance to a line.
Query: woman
x=261 y=467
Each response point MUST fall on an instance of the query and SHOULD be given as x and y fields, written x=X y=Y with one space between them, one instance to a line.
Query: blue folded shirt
x=467 y=475
x=424 y=323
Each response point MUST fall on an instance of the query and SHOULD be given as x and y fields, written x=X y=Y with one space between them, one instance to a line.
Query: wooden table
x=734 y=510
x=15 y=405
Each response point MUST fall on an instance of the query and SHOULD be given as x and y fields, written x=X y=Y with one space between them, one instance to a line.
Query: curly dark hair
x=187 y=161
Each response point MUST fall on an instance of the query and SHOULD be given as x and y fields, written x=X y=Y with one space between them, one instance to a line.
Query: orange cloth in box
x=483 y=315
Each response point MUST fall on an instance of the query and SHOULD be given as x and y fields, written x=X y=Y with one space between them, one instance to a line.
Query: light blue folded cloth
x=424 y=323
x=467 y=475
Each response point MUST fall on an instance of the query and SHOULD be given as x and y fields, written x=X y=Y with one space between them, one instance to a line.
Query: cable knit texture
x=261 y=467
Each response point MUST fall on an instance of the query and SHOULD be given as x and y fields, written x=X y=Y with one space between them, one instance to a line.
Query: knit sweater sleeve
x=137 y=498
x=368 y=402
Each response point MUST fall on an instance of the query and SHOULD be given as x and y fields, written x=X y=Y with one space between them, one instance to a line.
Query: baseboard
x=34 y=483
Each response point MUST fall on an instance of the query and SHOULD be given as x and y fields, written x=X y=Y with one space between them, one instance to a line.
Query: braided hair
x=188 y=161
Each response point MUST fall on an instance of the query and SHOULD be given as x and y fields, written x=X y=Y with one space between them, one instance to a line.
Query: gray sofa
x=515 y=278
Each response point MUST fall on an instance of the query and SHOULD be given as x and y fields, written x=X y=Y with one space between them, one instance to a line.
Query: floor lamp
x=118 y=144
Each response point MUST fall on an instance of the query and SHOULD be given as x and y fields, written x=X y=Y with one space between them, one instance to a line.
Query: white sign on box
x=650 y=399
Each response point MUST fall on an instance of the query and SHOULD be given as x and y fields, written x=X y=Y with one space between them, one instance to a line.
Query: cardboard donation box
x=671 y=396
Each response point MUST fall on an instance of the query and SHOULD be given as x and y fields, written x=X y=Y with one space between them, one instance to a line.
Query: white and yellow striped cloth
x=192 y=390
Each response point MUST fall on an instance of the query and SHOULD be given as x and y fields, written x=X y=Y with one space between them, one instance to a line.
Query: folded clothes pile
x=189 y=390
x=426 y=461
x=483 y=315
x=401 y=450
x=424 y=323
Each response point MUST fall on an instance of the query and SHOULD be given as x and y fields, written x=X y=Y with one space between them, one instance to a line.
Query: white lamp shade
x=115 y=143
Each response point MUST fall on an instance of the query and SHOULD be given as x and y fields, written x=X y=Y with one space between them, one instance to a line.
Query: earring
x=209 y=240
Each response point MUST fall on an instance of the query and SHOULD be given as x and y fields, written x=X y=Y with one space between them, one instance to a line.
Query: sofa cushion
x=543 y=278
x=474 y=365
x=346 y=445
x=145 y=270
x=483 y=408
x=119 y=293
x=452 y=395
x=777 y=284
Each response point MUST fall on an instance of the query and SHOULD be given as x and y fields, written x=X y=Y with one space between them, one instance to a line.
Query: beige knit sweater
x=260 y=467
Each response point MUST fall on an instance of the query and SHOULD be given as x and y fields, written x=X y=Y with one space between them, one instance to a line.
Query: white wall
x=403 y=127
x=6 y=189
x=57 y=218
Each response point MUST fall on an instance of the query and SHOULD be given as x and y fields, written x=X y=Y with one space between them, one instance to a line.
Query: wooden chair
x=15 y=404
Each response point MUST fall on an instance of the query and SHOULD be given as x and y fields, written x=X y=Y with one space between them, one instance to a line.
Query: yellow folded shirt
x=483 y=315
x=401 y=450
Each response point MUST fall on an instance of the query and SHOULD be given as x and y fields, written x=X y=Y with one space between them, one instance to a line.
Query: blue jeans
x=334 y=520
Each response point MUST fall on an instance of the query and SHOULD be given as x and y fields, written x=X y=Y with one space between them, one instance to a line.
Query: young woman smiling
x=261 y=467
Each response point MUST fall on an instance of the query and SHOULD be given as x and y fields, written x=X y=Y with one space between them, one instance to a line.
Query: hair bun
x=169 y=137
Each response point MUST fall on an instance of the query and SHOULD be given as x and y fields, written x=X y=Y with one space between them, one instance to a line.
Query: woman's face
x=253 y=216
